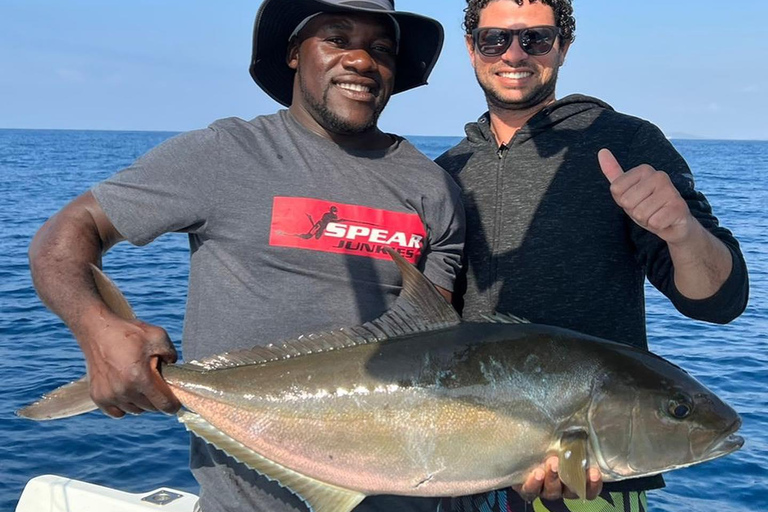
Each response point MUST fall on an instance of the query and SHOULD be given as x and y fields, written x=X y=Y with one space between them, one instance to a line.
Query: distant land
x=690 y=136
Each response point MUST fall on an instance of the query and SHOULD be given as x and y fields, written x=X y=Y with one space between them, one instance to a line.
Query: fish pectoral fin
x=573 y=461
x=320 y=496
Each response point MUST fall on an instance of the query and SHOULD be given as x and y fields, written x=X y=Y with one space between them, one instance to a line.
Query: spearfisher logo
x=318 y=225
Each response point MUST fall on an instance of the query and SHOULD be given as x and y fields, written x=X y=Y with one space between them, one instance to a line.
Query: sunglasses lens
x=493 y=42
x=537 y=40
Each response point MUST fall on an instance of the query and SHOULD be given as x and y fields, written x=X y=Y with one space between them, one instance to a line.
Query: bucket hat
x=421 y=39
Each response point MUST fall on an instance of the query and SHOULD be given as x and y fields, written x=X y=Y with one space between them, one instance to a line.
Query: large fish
x=418 y=403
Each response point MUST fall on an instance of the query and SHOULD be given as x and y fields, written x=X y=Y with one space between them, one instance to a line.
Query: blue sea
x=42 y=170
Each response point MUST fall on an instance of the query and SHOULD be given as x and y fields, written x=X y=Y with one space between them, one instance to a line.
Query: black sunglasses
x=536 y=41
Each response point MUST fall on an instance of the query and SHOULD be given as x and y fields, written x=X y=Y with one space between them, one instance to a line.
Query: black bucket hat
x=421 y=40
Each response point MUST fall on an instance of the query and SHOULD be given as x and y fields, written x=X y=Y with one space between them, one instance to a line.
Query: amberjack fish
x=419 y=403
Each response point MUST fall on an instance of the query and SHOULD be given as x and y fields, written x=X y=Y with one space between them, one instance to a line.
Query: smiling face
x=345 y=72
x=516 y=80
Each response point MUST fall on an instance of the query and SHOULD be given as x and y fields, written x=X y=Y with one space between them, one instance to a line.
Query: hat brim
x=421 y=39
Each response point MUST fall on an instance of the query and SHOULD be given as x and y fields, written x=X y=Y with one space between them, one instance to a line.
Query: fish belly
x=409 y=442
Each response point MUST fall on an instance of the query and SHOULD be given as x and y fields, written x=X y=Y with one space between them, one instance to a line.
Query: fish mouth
x=727 y=443
x=725 y=446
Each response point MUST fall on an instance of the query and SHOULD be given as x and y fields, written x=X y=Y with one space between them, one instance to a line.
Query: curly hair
x=563 y=15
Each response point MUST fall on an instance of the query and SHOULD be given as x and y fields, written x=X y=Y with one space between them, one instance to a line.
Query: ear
x=292 y=55
x=470 y=46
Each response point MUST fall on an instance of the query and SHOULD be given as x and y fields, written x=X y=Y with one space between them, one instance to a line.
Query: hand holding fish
x=544 y=482
x=123 y=375
x=649 y=198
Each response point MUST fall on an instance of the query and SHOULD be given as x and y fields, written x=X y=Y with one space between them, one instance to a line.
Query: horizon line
x=670 y=137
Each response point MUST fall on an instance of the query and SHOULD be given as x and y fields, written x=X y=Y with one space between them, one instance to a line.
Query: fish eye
x=680 y=408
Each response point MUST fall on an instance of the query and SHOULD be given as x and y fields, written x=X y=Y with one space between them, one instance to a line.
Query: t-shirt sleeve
x=445 y=231
x=169 y=189
x=650 y=146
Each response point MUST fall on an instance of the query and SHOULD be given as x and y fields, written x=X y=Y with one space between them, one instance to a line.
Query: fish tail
x=74 y=398
x=68 y=400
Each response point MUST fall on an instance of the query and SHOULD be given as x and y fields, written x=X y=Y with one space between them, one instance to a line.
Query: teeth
x=517 y=76
x=355 y=87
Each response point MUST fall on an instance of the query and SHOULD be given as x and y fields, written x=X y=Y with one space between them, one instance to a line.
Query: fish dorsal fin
x=304 y=345
x=426 y=301
x=504 y=318
x=419 y=308
x=320 y=497
x=111 y=295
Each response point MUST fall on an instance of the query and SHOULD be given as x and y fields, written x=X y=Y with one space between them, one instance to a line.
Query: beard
x=332 y=121
x=534 y=98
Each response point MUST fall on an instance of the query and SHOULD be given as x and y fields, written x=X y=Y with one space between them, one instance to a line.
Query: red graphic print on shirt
x=319 y=225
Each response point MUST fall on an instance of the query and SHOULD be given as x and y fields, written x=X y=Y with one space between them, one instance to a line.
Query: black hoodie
x=545 y=239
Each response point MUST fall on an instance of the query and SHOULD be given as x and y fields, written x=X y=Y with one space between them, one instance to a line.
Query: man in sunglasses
x=558 y=233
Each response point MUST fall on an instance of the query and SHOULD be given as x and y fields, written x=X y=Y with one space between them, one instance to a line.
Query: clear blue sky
x=696 y=67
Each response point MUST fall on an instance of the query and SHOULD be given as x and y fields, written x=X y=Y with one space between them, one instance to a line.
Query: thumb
x=610 y=166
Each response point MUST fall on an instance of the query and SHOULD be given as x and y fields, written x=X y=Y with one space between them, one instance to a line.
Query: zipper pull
x=501 y=150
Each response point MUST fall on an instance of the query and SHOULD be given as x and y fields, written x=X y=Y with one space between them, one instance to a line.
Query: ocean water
x=42 y=170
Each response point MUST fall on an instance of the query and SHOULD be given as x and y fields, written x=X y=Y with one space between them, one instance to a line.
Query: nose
x=359 y=60
x=515 y=52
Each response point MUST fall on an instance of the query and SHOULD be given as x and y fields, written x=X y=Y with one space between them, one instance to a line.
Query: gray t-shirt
x=286 y=231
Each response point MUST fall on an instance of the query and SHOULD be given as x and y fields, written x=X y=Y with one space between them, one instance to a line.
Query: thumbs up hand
x=649 y=198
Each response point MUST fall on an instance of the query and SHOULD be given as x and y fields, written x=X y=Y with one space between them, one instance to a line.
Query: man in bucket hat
x=262 y=202
x=420 y=41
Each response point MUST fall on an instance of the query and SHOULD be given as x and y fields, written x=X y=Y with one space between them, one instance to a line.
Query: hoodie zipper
x=493 y=290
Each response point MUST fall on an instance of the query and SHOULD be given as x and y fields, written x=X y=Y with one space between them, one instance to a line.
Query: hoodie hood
x=548 y=117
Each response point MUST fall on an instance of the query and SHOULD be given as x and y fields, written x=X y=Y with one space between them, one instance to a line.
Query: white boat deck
x=50 y=493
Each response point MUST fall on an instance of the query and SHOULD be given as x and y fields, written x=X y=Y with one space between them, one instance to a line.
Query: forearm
x=701 y=262
x=59 y=259
x=60 y=256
